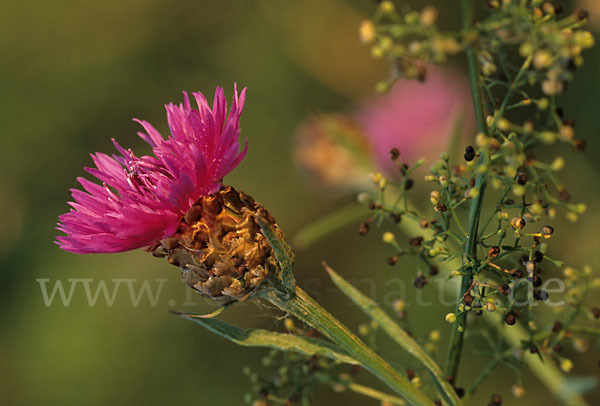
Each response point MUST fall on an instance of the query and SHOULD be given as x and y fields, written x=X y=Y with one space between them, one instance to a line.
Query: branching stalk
x=457 y=336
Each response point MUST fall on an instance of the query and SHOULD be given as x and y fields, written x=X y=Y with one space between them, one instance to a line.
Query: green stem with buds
x=304 y=307
x=456 y=339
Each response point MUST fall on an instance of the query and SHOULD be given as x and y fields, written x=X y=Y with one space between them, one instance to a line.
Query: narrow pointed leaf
x=398 y=334
x=315 y=231
x=264 y=338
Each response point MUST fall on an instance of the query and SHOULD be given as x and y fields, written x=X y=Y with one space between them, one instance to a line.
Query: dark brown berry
x=579 y=145
x=557 y=327
x=496 y=400
x=469 y=153
x=433 y=270
x=539 y=294
x=468 y=300
x=564 y=194
x=396 y=217
x=504 y=289
x=517 y=273
x=415 y=241
x=547 y=231
x=392 y=260
x=420 y=281
x=511 y=318
x=363 y=229
x=595 y=312
x=394 y=154
x=441 y=207
x=521 y=179
x=582 y=14
x=494 y=251
x=535 y=280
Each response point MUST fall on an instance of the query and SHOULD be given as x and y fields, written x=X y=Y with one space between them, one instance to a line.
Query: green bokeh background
x=73 y=75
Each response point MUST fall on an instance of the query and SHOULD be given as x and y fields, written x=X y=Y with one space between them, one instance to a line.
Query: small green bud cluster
x=410 y=38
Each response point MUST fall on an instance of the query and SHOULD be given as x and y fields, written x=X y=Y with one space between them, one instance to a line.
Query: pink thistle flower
x=142 y=199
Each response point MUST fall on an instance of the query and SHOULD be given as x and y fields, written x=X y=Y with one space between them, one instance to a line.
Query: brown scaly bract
x=220 y=247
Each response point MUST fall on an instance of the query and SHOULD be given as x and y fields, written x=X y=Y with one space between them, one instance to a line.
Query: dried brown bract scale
x=220 y=248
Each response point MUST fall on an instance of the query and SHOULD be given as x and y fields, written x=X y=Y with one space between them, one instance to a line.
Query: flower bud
x=557 y=164
x=388 y=237
x=289 y=324
x=367 y=32
x=399 y=306
x=375 y=177
x=429 y=15
x=517 y=223
x=566 y=365
x=542 y=59
x=518 y=391
x=386 y=7
x=364 y=198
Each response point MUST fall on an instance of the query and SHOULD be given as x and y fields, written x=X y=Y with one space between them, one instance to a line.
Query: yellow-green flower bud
x=386 y=7
x=388 y=237
x=557 y=164
x=566 y=365
x=367 y=32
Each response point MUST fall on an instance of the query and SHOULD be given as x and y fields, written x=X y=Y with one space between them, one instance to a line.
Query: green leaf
x=397 y=334
x=327 y=224
x=264 y=338
x=282 y=251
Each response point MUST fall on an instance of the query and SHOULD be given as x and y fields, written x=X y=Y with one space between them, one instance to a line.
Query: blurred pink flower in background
x=419 y=118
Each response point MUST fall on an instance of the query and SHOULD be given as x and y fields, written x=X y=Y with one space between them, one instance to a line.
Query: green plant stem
x=481 y=377
x=302 y=306
x=546 y=372
x=457 y=336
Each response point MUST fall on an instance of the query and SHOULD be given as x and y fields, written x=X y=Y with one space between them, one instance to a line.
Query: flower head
x=414 y=119
x=142 y=199
x=220 y=248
